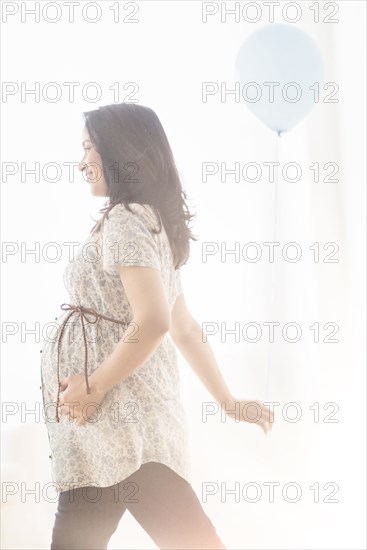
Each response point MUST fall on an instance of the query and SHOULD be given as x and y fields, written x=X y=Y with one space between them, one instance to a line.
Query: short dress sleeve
x=127 y=239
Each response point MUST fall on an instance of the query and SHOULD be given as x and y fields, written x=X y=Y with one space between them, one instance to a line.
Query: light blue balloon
x=282 y=54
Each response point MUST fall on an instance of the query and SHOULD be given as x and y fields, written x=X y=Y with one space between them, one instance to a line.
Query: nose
x=81 y=166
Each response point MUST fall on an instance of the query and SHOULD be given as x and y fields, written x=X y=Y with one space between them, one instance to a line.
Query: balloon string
x=270 y=361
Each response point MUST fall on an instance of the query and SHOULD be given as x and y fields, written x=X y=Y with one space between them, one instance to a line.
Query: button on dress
x=142 y=418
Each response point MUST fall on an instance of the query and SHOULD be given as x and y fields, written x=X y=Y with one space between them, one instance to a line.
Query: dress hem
x=182 y=472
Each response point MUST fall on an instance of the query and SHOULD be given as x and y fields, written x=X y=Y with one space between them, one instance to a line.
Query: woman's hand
x=75 y=402
x=253 y=411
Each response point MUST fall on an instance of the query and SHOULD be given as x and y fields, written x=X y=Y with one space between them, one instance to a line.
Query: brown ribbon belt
x=83 y=313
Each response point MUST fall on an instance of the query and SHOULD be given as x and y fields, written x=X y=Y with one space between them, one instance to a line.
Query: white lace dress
x=142 y=418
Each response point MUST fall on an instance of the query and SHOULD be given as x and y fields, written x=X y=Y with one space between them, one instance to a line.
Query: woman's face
x=91 y=165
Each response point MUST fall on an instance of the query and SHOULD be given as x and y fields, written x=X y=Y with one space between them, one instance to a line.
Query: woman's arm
x=187 y=335
x=151 y=321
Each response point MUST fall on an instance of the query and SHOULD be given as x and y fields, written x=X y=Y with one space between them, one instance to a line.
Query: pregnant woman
x=110 y=381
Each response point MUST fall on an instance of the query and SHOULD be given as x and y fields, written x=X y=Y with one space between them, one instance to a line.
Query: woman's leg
x=164 y=504
x=169 y=511
x=86 y=518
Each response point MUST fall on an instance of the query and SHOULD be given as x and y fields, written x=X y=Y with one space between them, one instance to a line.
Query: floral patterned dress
x=142 y=418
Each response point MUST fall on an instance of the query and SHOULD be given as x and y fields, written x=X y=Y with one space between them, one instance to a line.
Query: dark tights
x=166 y=506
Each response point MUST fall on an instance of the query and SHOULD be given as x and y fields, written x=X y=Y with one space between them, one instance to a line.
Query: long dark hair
x=138 y=167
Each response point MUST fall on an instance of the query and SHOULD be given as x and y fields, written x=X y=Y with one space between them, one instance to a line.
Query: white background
x=169 y=53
